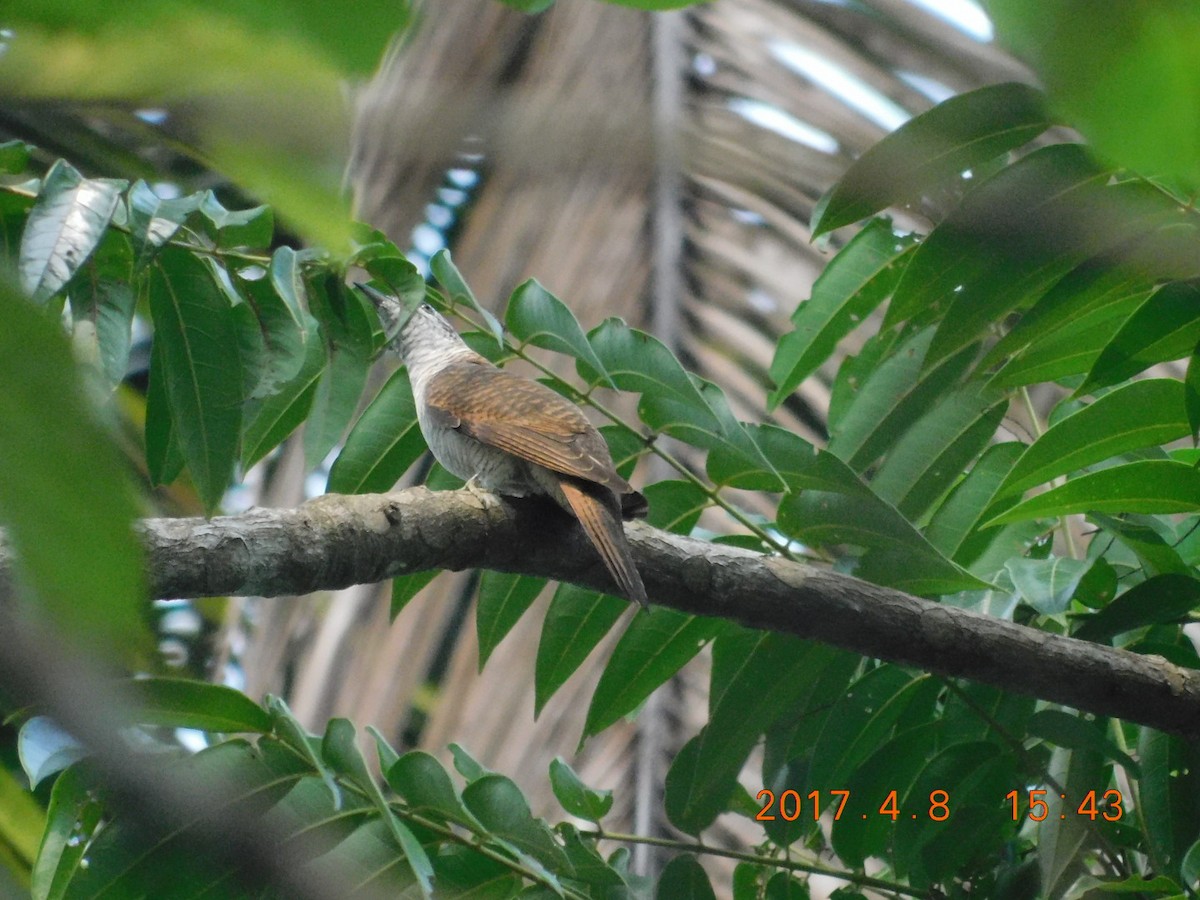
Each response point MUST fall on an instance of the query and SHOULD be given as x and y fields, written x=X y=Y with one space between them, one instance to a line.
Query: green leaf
x=1047 y=584
x=102 y=296
x=1073 y=732
x=44 y=749
x=637 y=362
x=341 y=752
x=860 y=277
x=382 y=445
x=14 y=156
x=937 y=449
x=954 y=136
x=1069 y=351
x=576 y=797
x=1086 y=292
x=184 y=703
x=153 y=220
x=346 y=330
x=1165 y=327
x=466 y=765
x=1141 y=414
x=82 y=572
x=65 y=225
x=958 y=517
x=684 y=879
x=843 y=510
x=279 y=335
x=653 y=648
x=164 y=459
x=203 y=368
x=1144 y=486
x=405 y=587
x=535 y=316
x=892 y=398
x=755 y=678
x=676 y=505
x=1162 y=598
x=575 y=623
x=992 y=253
x=862 y=719
x=1169 y=792
x=71 y=819
x=238 y=228
x=783 y=886
x=503 y=599
x=448 y=276
x=270 y=420
x=420 y=779
x=1191 y=393
x=529 y=6
x=501 y=808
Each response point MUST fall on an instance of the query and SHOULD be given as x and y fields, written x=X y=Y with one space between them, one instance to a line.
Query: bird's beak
x=393 y=312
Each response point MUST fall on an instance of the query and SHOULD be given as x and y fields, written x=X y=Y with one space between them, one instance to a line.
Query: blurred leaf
x=503 y=599
x=84 y=570
x=954 y=136
x=783 y=886
x=1127 y=79
x=577 y=620
x=1165 y=327
x=1141 y=414
x=860 y=277
x=14 y=156
x=1144 y=486
x=382 y=445
x=1161 y=598
x=183 y=703
x=653 y=648
x=684 y=878
x=576 y=797
x=65 y=225
x=203 y=367
x=535 y=316
x=1047 y=584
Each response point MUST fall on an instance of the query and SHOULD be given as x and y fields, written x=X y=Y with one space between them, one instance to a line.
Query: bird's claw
x=484 y=496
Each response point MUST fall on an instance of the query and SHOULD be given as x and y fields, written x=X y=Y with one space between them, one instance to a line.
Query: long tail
x=604 y=529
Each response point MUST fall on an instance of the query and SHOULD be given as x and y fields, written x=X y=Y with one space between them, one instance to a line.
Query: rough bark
x=336 y=541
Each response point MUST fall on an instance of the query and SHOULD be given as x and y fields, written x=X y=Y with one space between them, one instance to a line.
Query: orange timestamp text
x=1106 y=806
x=790 y=805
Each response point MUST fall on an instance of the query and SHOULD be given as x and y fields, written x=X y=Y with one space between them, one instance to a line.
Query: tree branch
x=336 y=541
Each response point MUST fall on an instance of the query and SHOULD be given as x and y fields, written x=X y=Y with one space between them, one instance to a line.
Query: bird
x=511 y=435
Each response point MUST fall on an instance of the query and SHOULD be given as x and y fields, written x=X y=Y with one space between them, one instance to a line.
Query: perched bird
x=511 y=435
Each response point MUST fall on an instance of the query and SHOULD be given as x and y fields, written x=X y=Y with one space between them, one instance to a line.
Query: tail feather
x=604 y=529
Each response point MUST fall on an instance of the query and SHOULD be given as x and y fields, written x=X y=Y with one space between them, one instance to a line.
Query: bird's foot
x=486 y=498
